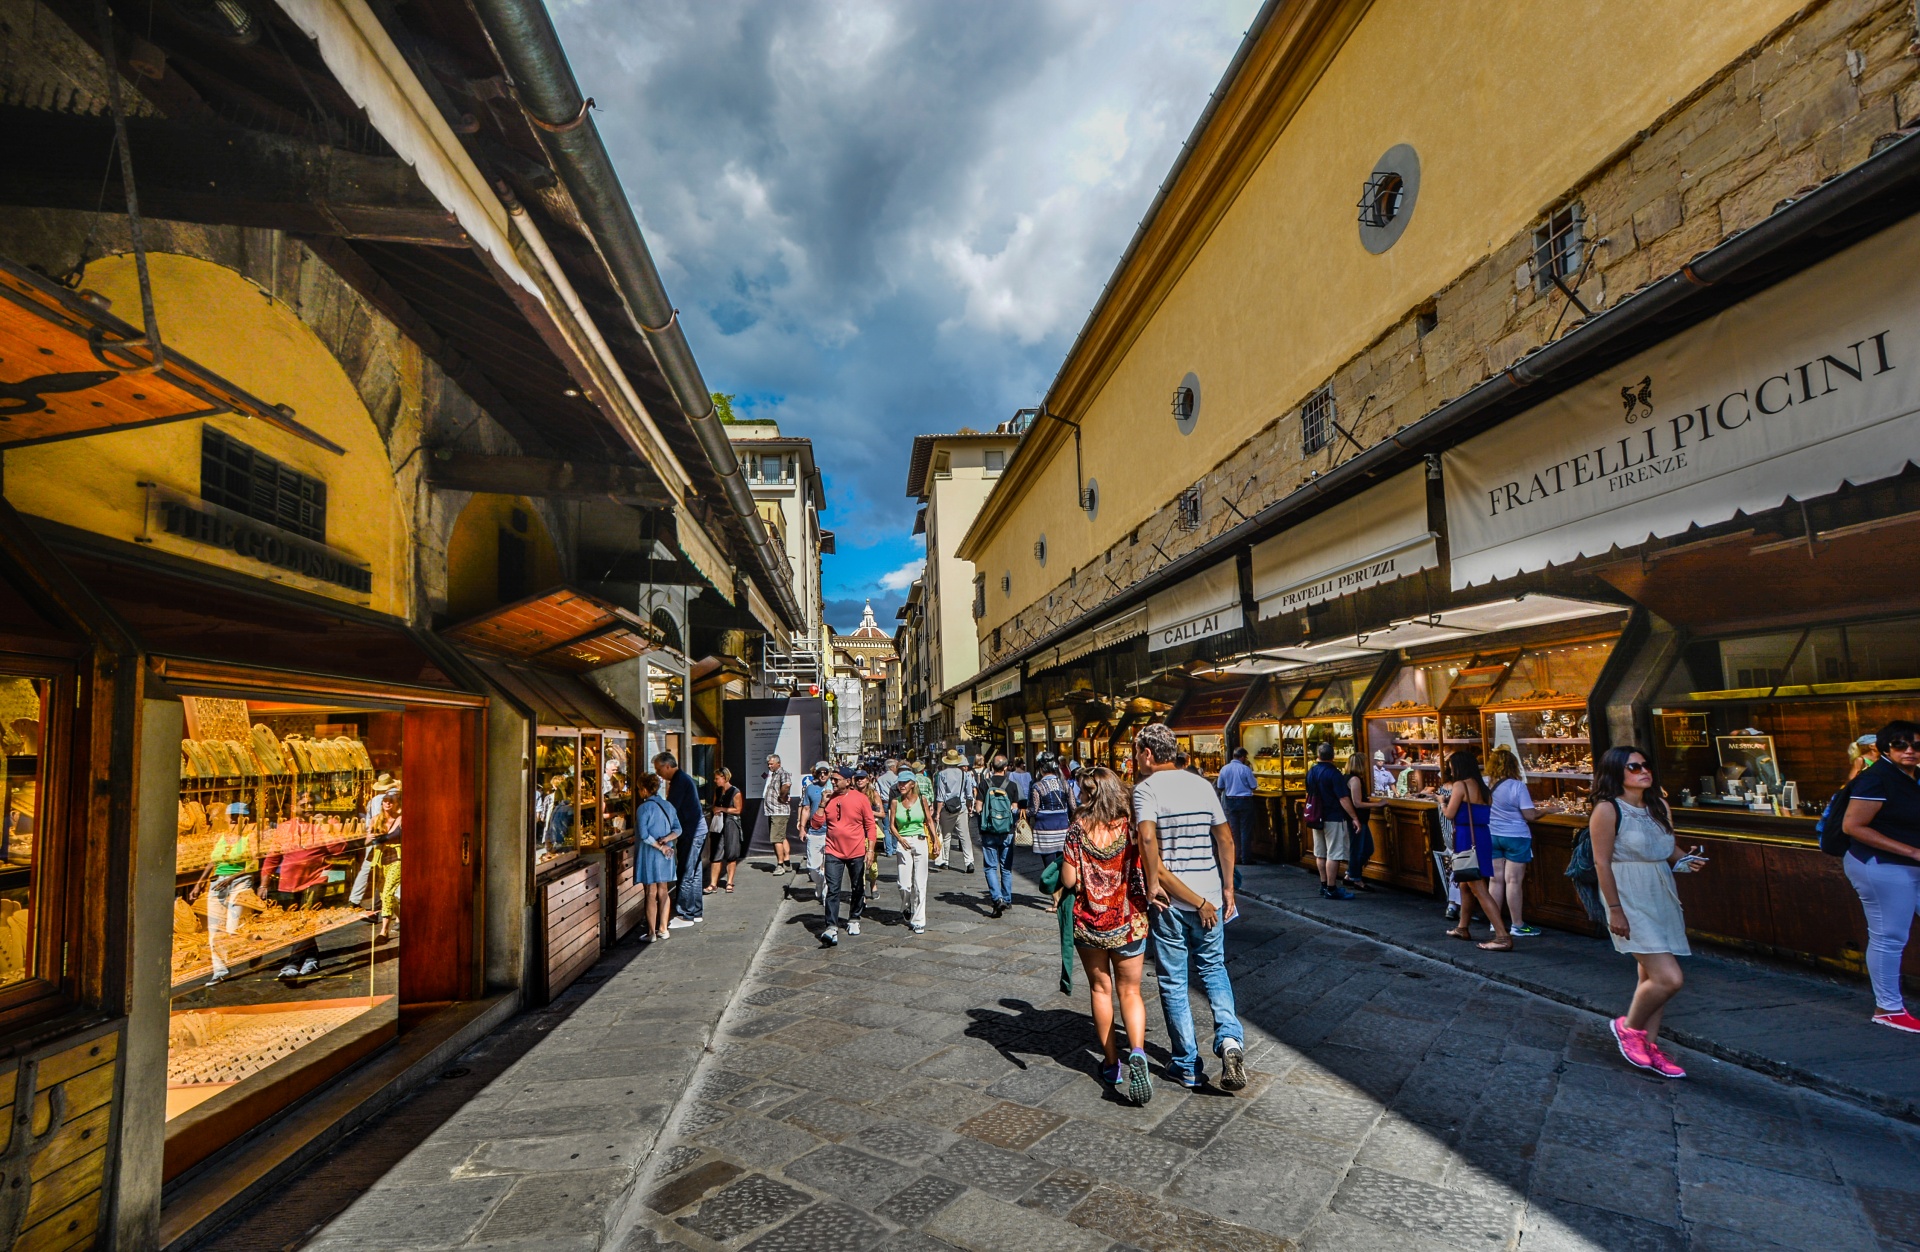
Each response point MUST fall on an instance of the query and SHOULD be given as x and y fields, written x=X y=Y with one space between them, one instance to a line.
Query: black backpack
x=1830 y=827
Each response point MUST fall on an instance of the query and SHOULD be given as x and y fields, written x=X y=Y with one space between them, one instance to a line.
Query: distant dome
x=868 y=628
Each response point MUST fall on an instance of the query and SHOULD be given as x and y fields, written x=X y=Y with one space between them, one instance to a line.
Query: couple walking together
x=1154 y=861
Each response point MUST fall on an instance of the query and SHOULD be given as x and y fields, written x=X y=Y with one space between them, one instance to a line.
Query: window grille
x=1557 y=246
x=1316 y=421
x=979 y=596
x=1381 y=198
x=1190 y=509
x=248 y=481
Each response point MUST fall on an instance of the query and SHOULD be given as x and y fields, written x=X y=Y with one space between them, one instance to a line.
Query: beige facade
x=1252 y=281
x=952 y=475
x=788 y=488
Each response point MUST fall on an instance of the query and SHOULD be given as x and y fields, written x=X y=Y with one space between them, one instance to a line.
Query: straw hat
x=952 y=757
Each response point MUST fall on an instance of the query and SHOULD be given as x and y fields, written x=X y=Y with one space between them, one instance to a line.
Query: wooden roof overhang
x=562 y=628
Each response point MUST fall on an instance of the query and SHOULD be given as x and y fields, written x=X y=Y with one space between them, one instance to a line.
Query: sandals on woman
x=1460 y=934
x=1497 y=945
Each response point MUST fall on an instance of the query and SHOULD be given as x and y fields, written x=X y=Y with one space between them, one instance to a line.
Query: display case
x=1428 y=711
x=1200 y=721
x=1539 y=711
x=1262 y=733
x=556 y=771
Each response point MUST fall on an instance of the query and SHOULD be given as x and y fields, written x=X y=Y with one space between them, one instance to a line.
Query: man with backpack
x=952 y=801
x=1049 y=812
x=998 y=813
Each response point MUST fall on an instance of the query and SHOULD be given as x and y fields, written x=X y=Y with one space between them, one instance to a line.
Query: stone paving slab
x=1790 y=1022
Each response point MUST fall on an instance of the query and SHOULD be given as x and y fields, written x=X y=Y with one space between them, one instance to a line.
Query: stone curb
x=1891 y=1106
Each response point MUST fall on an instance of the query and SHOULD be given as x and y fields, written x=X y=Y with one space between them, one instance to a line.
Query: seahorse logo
x=1638 y=401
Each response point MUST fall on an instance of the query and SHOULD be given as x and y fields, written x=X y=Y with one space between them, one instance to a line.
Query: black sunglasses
x=1638 y=767
x=1899 y=745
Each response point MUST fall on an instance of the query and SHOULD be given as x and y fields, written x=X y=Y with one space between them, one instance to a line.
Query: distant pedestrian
x=659 y=830
x=1179 y=814
x=1105 y=867
x=1238 y=797
x=814 y=826
x=888 y=780
x=851 y=833
x=1050 y=814
x=1508 y=817
x=684 y=795
x=777 y=802
x=728 y=840
x=912 y=824
x=1882 y=826
x=999 y=813
x=1333 y=839
x=1635 y=859
x=1360 y=842
x=1466 y=807
x=952 y=802
x=1862 y=754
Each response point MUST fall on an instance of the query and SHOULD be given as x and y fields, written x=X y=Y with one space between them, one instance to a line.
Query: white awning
x=997 y=688
x=1377 y=536
x=1788 y=395
x=1105 y=635
x=704 y=554
x=1206 y=604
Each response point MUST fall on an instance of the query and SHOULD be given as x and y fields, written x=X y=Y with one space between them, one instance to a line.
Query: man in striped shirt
x=1181 y=814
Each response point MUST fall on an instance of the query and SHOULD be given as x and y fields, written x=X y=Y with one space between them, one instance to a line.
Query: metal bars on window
x=249 y=481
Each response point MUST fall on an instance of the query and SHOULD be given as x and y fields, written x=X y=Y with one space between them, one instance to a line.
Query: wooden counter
x=568 y=916
x=626 y=899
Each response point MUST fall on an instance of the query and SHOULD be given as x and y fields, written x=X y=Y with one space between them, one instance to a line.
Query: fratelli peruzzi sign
x=1806 y=386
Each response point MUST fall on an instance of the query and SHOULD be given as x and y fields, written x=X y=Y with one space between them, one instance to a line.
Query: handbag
x=1465 y=862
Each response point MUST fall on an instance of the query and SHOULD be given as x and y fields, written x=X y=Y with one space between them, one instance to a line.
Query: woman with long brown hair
x=1106 y=865
x=1467 y=808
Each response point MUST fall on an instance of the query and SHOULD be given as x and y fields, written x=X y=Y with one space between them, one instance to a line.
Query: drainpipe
x=524 y=36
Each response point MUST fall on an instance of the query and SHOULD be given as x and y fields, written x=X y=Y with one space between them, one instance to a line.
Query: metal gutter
x=1548 y=369
x=528 y=45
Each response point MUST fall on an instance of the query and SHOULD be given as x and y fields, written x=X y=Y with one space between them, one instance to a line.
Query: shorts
x=1519 y=851
x=1137 y=948
x=777 y=824
x=1331 y=840
x=816 y=848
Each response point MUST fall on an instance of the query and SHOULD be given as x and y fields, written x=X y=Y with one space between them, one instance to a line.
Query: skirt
x=1652 y=906
x=731 y=845
x=653 y=865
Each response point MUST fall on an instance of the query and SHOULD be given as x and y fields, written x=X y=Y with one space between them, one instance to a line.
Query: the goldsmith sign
x=1811 y=384
x=223 y=528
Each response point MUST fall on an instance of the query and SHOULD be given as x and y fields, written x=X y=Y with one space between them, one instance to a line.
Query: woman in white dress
x=1635 y=858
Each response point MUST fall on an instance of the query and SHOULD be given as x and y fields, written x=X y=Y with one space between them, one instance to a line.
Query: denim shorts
x=1519 y=851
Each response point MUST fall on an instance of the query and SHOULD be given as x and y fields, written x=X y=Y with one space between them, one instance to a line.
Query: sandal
x=1497 y=945
x=729 y=888
x=707 y=891
x=1460 y=934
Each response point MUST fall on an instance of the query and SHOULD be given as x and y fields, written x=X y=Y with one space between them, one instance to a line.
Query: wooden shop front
x=582 y=756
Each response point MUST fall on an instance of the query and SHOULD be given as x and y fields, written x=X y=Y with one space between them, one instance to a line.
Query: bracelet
x=1612 y=907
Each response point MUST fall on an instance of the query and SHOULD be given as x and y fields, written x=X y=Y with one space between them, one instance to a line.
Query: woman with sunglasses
x=1883 y=862
x=1635 y=858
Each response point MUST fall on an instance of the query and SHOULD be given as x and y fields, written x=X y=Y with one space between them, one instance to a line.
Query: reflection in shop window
x=22 y=709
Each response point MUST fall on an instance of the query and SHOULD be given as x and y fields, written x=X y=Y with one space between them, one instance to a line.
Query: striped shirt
x=1184 y=809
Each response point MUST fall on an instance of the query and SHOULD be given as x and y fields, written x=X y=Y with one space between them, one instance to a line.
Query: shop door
x=442 y=853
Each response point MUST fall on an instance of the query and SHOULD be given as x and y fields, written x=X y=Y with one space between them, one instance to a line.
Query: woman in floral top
x=1105 y=866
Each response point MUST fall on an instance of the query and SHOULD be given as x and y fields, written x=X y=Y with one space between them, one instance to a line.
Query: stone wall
x=1808 y=103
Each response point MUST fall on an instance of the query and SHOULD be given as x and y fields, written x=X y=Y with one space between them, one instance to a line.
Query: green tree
x=723 y=405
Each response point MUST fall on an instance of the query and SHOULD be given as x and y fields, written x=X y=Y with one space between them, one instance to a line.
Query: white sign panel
x=1206 y=604
x=998 y=688
x=1377 y=536
x=772 y=736
x=1806 y=386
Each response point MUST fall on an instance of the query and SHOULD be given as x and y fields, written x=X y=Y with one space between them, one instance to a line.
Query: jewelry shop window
x=22 y=715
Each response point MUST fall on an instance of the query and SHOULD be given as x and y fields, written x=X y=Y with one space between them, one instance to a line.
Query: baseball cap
x=845 y=772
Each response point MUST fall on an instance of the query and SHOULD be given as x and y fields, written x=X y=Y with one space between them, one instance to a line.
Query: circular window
x=1186 y=403
x=1006 y=584
x=1387 y=199
x=1090 y=498
x=1040 y=549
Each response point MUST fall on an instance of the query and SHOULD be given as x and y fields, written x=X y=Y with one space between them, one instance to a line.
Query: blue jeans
x=846 y=880
x=1240 y=820
x=997 y=851
x=1180 y=945
x=689 y=900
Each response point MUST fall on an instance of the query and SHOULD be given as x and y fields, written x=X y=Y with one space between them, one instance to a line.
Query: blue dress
x=1475 y=823
x=657 y=820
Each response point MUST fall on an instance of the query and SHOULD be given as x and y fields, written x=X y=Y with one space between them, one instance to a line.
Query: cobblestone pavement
x=904 y=1093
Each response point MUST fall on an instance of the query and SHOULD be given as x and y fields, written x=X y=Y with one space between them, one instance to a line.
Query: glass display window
x=1538 y=710
x=1768 y=724
x=1207 y=752
x=22 y=717
x=556 y=771
x=286 y=936
x=586 y=822
x=616 y=786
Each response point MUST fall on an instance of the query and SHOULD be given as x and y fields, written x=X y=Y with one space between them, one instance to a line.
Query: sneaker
x=919 y=930
x=289 y=970
x=1192 y=1082
x=1901 y=1020
x=999 y=909
x=853 y=927
x=938 y=865
x=310 y=966
x=1339 y=893
x=1662 y=1063
x=969 y=867
x=681 y=922
x=1233 y=1067
x=1453 y=912
x=1139 y=1082
x=1523 y=932
x=1110 y=1074
x=830 y=938
x=1326 y=892
x=1633 y=1044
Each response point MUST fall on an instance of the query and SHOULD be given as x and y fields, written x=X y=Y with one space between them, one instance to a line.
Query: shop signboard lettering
x=773 y=736
x=1683 y=730
x=1810 y=384
x=1205 y=605
x=199 y=522
x=1375 y=537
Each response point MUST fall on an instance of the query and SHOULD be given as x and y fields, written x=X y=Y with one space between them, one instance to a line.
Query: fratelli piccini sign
x=1809 y=385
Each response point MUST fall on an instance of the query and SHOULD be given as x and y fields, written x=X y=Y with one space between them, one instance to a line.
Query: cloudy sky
x=887 y=217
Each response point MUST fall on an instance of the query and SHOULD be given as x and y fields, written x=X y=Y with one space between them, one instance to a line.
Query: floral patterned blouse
x=1110 y=905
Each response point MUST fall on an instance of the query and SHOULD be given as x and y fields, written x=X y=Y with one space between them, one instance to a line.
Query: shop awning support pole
x=134 y=231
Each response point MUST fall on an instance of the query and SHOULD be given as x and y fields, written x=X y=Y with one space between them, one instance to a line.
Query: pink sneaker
x=1633 y=1044
x=1902 y=1020
x=1662 y=1063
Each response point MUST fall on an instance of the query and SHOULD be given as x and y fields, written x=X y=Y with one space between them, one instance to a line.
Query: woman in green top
x=911 y=821
x=231 y=865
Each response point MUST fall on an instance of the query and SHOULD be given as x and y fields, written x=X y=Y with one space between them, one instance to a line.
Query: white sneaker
x=679 y=922
x=919 y=930
x=310 y=967
x=853 y=927
x=289 y=970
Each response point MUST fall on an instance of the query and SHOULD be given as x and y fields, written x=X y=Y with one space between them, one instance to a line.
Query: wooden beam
x=220 y=174
x=449 y=470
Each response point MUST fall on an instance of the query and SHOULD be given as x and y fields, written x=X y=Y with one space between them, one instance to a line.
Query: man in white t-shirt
x=1180 y=815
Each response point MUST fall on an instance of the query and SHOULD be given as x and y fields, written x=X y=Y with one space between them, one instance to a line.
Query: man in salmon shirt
x=851 y=831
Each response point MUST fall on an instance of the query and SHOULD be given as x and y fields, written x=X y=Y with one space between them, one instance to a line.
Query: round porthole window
x=1186 y=403
x=1040 y=549
x=1090 y=498
x=1006 y=584
x=1387 y=199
